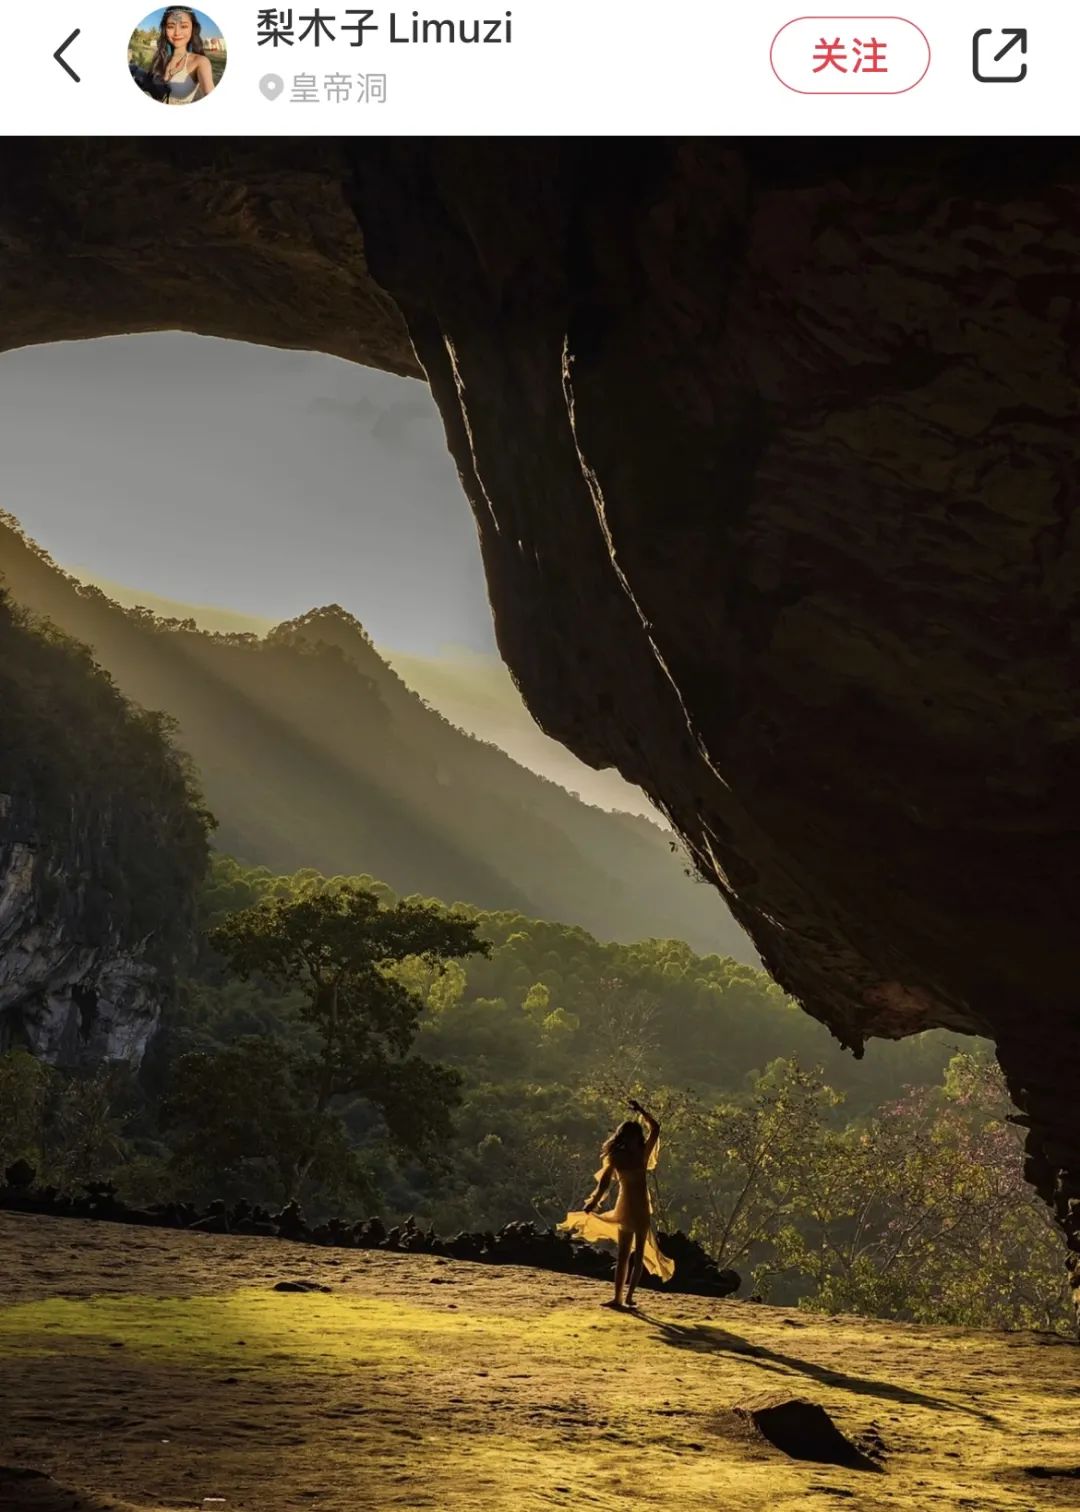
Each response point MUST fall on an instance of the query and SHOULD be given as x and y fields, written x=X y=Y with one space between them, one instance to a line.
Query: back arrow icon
x=62 y=49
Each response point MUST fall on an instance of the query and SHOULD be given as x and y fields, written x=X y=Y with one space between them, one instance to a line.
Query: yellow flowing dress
x=600 y=1228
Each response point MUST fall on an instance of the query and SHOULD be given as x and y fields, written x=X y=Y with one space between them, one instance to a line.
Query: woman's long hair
x=627 y=1140
x=165 y=48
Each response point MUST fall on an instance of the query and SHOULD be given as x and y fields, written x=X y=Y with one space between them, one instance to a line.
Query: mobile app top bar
x=559 y=67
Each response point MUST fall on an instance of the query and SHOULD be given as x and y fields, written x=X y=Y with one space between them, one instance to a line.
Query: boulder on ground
x=803 y=1430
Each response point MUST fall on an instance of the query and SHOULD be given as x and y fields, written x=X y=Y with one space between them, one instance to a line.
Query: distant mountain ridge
x=207 y=616
x=471 y=689
x=313 y=752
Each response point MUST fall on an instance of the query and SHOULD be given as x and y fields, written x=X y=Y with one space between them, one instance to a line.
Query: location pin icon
x=272 y=85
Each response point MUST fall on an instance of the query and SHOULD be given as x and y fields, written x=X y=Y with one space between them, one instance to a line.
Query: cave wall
x=772 y=449
x=773 y=472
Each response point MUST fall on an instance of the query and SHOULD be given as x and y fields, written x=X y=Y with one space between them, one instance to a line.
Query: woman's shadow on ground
x=707 y=1338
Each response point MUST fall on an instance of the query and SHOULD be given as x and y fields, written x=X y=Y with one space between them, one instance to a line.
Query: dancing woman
x=627 y=1156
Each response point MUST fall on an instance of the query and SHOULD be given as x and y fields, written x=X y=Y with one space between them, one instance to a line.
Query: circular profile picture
x=177 y=55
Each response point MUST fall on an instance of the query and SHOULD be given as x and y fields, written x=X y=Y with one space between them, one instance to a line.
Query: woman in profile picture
x=180 y=69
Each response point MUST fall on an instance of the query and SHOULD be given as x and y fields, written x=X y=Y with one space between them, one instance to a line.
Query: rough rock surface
x=773 y=453
x=267 y=248
x=71 y=995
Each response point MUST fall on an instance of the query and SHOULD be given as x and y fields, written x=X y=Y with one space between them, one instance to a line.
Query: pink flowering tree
x=922 y=1212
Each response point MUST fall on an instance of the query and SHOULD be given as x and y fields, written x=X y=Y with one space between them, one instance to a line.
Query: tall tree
x=337 y=946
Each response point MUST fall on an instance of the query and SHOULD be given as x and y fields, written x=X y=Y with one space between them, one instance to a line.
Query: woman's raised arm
x=654 y=1123
x=654 y=1127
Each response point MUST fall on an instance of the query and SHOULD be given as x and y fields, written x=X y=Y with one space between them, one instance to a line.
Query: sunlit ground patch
x=313 y=1330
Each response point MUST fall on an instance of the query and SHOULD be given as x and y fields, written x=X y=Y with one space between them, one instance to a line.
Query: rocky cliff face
x=70 y=989
x=103 y=842
x=773 y=453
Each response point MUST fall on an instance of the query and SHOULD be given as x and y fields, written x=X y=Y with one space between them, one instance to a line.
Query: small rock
x=300 y=1286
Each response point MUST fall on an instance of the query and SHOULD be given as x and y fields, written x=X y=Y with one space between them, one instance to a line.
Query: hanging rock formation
x=773 y=451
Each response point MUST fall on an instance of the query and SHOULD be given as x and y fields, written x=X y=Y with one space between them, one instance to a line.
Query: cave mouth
x=768 y=451
x=724 y=491
x=711 y=483
x=759 y=629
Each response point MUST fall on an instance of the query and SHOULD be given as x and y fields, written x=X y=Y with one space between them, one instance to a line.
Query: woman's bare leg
x=625 y=1239
x=637 y=1265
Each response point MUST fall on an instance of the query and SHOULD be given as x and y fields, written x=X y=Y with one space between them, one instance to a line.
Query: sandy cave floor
x=148 y=1368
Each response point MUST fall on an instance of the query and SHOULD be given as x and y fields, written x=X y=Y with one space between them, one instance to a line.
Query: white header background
x=574 y=67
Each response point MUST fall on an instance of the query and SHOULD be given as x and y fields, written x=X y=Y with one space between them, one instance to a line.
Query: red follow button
x=850 y=55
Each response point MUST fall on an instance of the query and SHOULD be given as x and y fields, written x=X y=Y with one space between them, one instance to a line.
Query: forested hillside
x=551 y=999
x=892 y=1185
x=477 y=694
x=473 y=690
x=312 y=752
x=103 y=841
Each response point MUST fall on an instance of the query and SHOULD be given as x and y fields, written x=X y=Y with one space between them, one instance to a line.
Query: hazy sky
x=264 y=481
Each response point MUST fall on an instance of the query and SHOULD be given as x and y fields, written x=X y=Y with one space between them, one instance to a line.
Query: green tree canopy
x=339 y=947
